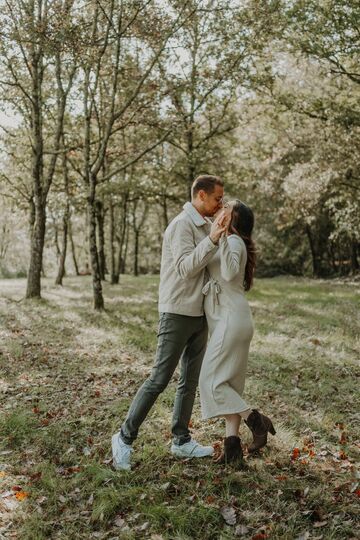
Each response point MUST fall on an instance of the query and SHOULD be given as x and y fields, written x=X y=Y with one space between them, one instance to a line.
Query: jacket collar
x=194 y=214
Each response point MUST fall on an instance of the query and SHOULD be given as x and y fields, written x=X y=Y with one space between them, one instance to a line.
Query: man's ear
x=201 y=195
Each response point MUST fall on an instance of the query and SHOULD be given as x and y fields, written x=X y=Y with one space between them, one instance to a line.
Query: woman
x=223 y=371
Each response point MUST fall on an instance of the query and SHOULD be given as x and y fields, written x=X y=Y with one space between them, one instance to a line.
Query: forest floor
x=68 y=374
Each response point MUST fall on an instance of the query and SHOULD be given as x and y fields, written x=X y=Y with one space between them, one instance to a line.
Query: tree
x=34 y=52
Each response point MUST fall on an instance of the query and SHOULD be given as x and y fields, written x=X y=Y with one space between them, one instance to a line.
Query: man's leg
x=174 y=333
x=191 y=361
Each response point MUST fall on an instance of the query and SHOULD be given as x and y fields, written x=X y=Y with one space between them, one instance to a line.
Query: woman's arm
x=231 y=251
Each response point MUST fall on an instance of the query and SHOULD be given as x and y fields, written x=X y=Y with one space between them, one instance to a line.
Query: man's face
x=212 y=202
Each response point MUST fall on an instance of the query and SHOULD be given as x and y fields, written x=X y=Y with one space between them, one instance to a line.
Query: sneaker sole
x=179 y=455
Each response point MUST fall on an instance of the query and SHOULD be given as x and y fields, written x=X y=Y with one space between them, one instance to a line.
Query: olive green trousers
x=180 y=337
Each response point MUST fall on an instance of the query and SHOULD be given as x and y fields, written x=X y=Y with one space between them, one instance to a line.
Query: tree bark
x=101 y=238
x=354 y=256
x=137 y=226
x=72 y=245
x=61 y=270
x=66 y=217
x=37 y=240
x=315 y=259
x=37 y=235
x=124 y=257
x=111 y=242
x=121 y=239
x=94 y=257
x=136 y=253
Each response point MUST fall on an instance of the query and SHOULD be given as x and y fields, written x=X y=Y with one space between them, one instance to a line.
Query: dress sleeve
x=189 y=259
x=231 y=252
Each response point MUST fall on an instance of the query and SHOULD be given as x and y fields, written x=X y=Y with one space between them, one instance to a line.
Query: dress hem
x=224 y=413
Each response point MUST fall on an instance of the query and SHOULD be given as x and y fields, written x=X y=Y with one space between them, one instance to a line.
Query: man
x=189 y=243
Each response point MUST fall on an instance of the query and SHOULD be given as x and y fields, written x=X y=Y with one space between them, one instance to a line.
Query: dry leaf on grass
x=21 y=495
x=229 y=514
x=241 y=530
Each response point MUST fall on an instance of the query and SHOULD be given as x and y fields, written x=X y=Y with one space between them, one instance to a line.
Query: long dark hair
x=242 y=224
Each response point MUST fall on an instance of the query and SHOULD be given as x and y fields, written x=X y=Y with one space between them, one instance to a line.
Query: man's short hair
x=205 y=182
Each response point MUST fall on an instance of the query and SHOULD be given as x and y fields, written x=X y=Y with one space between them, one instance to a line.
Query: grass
x=67 y=377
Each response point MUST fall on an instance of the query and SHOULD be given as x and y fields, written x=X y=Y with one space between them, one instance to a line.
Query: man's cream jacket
x=186 y=250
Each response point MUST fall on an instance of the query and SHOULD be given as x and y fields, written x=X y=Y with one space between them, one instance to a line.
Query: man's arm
x=188 y=258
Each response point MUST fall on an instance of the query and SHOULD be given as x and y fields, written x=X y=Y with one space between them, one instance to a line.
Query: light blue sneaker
x=191 y=449
x=121 y=453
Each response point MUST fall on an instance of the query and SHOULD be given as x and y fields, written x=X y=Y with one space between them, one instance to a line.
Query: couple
x=205 y=267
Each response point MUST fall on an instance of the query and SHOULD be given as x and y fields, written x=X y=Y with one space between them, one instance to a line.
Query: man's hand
x=219 y=227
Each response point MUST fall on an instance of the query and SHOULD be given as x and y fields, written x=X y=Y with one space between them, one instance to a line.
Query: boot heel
x=272 y=429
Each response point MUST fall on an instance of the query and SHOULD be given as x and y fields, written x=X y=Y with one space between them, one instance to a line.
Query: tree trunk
x=111 y=242
x=124 y=257
x=315 y=259
x=56 y=240
x=37 y=240
x=354 y=256
x=61 y=271
x=165 y=211
x=72 y=245
x=37 y=236
x=94 y=257
x=136 y=253
x=121 y=240
x=101 y=237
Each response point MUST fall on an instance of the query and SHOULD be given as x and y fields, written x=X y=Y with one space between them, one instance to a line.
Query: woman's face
x=228 y=208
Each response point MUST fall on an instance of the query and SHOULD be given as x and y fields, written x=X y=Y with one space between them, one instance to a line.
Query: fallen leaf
x=343 y=438
x=2 y=474
x=319 y=524
x=295 y=453
x=303 y=536
x=229 y=515
x=120 y=522
x=241 y=530
x=21 y=495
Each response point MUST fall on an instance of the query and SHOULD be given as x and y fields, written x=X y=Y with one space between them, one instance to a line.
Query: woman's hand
x=219 y=226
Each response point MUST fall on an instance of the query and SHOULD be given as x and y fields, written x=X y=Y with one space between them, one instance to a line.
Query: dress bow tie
x=212 y=287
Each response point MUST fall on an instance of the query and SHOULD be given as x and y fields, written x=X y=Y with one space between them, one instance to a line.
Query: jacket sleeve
x=231 y=252
x=189 y=259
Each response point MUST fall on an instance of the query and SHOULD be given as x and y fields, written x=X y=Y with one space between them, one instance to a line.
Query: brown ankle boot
x=232 y=451
x=260 y=425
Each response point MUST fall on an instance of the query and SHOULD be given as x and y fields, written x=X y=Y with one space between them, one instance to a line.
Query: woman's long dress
x=223 y=372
